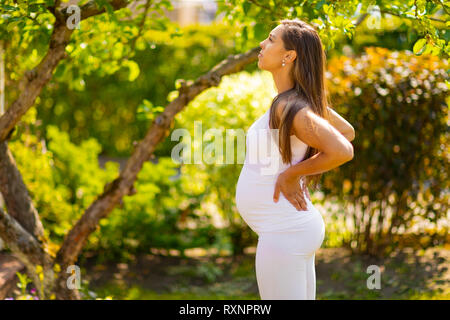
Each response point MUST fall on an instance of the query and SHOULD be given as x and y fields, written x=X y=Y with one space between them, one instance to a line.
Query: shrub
x=398 y=179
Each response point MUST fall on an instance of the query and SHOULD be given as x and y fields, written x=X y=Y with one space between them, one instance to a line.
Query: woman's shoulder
x=295 y=101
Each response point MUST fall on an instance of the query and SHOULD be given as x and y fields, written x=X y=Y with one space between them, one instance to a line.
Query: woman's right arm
x=341 y=125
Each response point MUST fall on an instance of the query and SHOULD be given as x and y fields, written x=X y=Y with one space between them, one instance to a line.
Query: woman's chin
x=260 y=65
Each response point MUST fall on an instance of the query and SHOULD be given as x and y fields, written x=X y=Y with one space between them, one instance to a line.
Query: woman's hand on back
x=292 y=190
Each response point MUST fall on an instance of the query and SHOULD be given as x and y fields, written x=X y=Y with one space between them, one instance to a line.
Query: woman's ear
x=292 y=55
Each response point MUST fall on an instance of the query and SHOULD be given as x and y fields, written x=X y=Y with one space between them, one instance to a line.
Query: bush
x=398 y=179
x=151 y=218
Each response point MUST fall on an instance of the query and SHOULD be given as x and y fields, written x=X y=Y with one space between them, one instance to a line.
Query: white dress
x=287 y=238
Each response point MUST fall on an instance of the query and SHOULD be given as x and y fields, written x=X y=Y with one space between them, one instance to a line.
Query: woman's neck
x=282 y=81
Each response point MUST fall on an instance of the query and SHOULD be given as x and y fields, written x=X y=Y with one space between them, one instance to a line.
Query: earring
x=283 y=64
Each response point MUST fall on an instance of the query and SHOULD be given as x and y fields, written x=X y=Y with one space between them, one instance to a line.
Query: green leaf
x=60 y=70
x=177 y=33
x=147 y=111
x=435 y=50
x=159 y=25
x=259 y=31
x=178 y=83
x=14 y=19
x=420 y=46
x=10 y=8
x=100 y=3
x=320 y=4
x=428 y=49
x=245 y=33
x=134 y=70
x=246 y=7
x=35 y=7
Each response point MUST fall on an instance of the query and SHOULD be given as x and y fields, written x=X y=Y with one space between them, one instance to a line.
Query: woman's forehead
x=276 y=31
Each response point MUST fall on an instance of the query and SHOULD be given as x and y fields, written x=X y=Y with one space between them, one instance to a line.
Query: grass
x=135 y=292
x=138 y=293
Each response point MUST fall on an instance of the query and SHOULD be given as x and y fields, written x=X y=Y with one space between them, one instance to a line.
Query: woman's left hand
x=292 y=190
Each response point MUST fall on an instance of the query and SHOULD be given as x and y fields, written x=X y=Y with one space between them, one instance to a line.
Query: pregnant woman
x=304 y=138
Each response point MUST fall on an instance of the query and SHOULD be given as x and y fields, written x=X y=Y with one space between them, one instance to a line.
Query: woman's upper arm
x=340 y=123
x=318 y=133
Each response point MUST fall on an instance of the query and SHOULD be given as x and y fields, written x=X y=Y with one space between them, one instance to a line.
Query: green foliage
x=334 y=19
x=23 y=282
x=63 y=178
x=51 y=199
x=396 y=103
x=387 y=31
x=87 y=102
x=206 y=271
x=209 y=271
x=75 y=166
x=104 y=44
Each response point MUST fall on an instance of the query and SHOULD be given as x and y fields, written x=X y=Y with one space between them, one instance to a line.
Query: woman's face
x=272 y=51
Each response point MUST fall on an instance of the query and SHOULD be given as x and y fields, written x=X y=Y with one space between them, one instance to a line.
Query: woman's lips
x=259 y=55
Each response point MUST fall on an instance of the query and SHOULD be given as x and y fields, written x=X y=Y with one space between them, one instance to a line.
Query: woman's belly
x=254 y=201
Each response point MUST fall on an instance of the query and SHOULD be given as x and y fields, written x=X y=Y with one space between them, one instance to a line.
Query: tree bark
x=29 y=251
x=15 y=194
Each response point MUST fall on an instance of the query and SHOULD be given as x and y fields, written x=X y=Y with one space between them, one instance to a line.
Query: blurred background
x=180 y=236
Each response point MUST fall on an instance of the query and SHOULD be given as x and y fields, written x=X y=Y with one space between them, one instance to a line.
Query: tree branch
x=406 y=17
x=55 y=10
x=361 y=19
x=141 y=25
x=90 y=9
x=20 y=241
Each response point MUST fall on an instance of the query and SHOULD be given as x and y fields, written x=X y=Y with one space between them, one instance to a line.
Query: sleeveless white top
x=256 y=183
x=262 y=148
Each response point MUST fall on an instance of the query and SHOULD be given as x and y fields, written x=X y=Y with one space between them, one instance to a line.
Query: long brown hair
x=308 y=73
